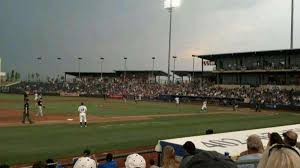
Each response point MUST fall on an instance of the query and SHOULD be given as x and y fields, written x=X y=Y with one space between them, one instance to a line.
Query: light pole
x=169 y=5
x=79 y=60
x=58 y=69
x=292 y=25
x=194 y=67
x=174 y=57
x=153 y=59
x=39 y=59
x=202 y=72
x=125 y=67
x=101 y=64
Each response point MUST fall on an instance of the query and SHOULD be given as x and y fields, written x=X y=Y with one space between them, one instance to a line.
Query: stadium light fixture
x=79 y=60
x=125 y=67
x=58 y=66
x=153 y=59
x=101 y=64
x=169 y=5
x=172 y=4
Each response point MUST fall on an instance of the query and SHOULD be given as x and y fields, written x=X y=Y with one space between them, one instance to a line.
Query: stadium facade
x=274 y=67
x=144 y=75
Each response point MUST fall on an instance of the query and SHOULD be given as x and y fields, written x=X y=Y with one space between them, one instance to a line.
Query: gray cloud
x=137 y=29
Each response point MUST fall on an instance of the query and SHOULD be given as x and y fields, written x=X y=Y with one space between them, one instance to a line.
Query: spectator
x=290 y=138
x=274 y=138
x=209 y=131
x=135 y=161
x=86 y=154
x=110 y=163
x=4 y=166
x=39 y=164
x=152 y=164
x=210 y=159
x=280 y=156
x=190 y=150
x=169 y=160
x=254 y=151
x=50 y=163
x=85 y=162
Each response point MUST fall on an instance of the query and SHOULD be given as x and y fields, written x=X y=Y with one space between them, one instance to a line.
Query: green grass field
x=28 y=143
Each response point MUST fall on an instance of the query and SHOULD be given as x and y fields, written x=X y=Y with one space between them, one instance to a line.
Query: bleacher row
x=269 y=98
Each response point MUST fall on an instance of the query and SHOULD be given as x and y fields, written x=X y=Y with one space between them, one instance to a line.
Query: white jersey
x=204 y=105
x=177 y=100
x=36 y=96
x=82 y=109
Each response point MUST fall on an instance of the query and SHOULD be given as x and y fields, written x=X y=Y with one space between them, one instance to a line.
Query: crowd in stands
x=140 y=88
x=265 y=65
x=279 y=153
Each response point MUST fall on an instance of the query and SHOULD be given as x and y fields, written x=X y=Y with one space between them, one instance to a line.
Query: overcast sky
x=137 y=29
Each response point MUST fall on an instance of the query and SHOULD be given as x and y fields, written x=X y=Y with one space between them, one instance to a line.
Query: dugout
x=256 y=68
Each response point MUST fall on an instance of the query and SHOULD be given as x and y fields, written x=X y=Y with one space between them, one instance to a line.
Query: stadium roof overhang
x=142 y=72
x=190 y=73
x=274 y=71
x=91 y=74
x=267 y=52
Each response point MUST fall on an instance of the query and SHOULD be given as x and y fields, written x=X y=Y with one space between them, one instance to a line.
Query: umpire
x=26 y=112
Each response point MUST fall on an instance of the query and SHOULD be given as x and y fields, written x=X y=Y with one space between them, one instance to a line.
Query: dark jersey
x=40 y=103
x=26 y=107
x=25 y=95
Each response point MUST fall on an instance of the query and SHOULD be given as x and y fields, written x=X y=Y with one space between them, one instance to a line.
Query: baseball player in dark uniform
x=26 y=112
x=25 y=96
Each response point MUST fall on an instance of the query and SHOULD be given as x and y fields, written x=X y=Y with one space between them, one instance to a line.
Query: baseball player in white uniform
x=40 y=108
x=82 y=114
x=177 y=101
x=36 y=98
x=204 y=106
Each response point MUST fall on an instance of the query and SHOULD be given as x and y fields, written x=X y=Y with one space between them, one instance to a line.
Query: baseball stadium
x=237 y=109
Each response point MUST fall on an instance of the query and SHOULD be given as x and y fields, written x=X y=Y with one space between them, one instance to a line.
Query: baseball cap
x=135 y=161
x=85 y=162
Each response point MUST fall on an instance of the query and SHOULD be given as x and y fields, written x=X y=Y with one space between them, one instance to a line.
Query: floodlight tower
x=58 y=66
x=174 y=57
x=292 y=26
x=79 y=61
x=169 y=5
x=194 y=66
x=125 y=67
x=101 y=64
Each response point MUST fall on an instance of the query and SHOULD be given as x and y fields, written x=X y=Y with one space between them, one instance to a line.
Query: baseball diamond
x=114 y=125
